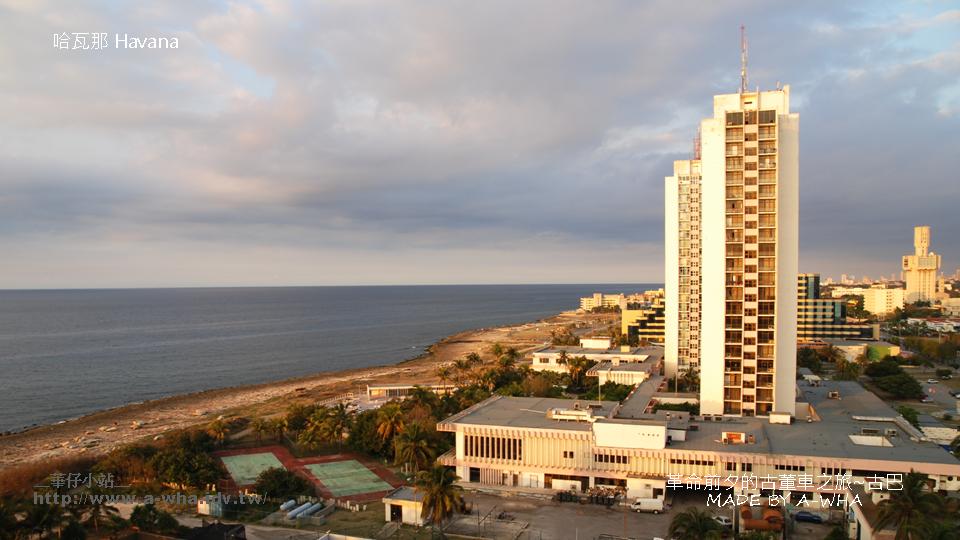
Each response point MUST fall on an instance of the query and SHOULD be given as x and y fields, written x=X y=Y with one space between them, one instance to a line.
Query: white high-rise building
x=747 y=235
x=920 y=269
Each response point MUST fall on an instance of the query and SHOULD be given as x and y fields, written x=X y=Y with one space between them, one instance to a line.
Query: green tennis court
x=348 y=477
x=245 y=468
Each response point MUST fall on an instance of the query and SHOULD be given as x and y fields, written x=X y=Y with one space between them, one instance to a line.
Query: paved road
x=940 y=393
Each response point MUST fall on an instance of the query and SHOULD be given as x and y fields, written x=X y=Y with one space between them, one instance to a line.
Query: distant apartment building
x=643 y=322
x=920 y=269
x=820 y=318
x=878 y=300
x=682 y=266
x=600 y=300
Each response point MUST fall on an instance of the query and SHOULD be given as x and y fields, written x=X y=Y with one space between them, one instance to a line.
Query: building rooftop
x=573 y=350
x=878 y=433
x=528 y=412
x=404 y=493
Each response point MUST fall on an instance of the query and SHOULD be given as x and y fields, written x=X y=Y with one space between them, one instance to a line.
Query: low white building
x=555 y=358
x=545 y=444
x=404 y=505
x=937 y=324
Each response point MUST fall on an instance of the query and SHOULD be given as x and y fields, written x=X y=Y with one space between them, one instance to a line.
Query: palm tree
x=578 y=367
x=314 y=431
x=940 y=530
x=98 y=509
x=833 y=354
x=462 y=365
x=278 y=426
x=338 y=423
x=218 y=430
x=422 y=396
x=8 y=518
x=496 y=350
x=474 y=359
x=846 y=370
x=441 y=494
x=412 y=446
x=694 y=524
x=260 y=426
x=389 y=421
x=690 y=380
x=911 y=509
x=43 y=518
x=443 y=373
x=563 y=358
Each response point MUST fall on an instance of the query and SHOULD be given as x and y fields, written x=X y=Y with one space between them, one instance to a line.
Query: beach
x=101 y=432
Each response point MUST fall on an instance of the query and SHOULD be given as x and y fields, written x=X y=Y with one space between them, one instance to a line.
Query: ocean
x=66 y=353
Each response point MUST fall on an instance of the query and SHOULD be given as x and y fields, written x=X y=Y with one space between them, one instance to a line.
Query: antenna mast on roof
x=743 y=59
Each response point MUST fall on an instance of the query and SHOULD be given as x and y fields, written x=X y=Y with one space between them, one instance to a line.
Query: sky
x=359 y=142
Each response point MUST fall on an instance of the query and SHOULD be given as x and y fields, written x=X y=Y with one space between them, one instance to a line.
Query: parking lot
x=549 y=520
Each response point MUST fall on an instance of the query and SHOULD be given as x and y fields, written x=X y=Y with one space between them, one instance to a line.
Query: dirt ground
x=101 y=432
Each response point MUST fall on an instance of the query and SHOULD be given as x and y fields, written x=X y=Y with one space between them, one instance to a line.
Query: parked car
x=926 y=399
x=932 y=381
x=955 y=393
x=808 y=517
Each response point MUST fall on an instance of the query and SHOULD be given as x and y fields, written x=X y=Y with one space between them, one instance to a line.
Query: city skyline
x=449 y=147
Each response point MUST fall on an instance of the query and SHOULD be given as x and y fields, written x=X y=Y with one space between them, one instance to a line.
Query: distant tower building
x=682 y=268
x=736 y=318
x=920 y=269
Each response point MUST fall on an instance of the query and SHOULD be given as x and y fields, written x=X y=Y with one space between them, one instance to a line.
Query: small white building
x=555 y=358
x=404 y=505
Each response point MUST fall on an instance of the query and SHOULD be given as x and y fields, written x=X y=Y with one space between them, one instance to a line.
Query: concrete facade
x=920 y=269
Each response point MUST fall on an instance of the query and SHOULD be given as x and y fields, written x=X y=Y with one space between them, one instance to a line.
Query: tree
x=474 y=359
x=43 y=518
x=389 y=421
x=900 y=386
x=808 y=358
x=8 y=518
x=832 y=354
x=578 y=367
x=149 y=518
x=279 y=483
x=837 y=533
x=413 y=447
x=885 y=367
x=563 y=358
x=73 y=531
x=694 y=524
x=441 y=494
x=910 y=509
x=278 y=426
x=443 y=373
x=314 y=431
x=98 y=510
x=218 y=430
x=496 y=350
x=910 y=415
x=260 y=426
x=338 y=422
x=846 y=370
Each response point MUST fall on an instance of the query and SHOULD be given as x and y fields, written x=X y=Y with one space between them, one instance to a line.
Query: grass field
x=245 y=468
x=347 y=477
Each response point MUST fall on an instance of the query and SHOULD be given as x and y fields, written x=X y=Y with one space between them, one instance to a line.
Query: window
x=568 y=454
x=746 y=467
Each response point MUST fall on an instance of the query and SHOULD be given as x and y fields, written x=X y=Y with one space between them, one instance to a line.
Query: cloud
x=373 y=142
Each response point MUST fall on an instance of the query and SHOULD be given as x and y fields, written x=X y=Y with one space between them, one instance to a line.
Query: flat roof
x=573 y=350
x=828 y=437
x=605 y=365
x=404 y=493
x=529 y=412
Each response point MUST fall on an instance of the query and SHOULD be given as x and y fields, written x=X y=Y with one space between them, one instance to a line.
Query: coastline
x=99 y=432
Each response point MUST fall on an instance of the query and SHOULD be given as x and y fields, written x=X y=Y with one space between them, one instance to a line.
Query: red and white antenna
x=743 y=59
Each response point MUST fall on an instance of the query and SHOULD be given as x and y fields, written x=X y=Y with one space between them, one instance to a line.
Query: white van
x=647 y=505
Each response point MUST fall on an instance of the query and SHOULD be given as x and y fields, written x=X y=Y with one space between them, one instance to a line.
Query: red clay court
x=341 y=476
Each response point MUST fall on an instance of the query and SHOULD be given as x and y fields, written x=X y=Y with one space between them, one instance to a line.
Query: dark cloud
x=454 y=142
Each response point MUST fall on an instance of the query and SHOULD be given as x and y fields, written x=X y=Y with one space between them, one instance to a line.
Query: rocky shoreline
x=100 y=432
